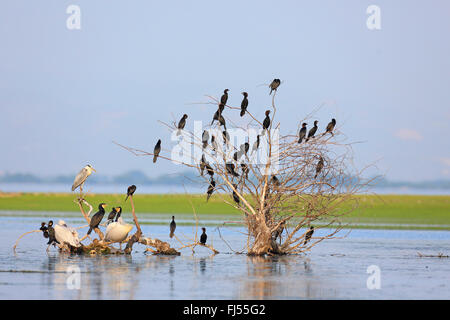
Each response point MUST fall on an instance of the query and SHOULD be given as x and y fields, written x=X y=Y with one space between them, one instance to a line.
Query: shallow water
x=334 y=269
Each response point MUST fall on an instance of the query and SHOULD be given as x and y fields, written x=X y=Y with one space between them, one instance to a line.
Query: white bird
x=81 y=177
x=117 y=231
x=66 y=235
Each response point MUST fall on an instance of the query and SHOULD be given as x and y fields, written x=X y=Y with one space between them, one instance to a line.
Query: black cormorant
x=51 y=234
x=212 y=185
x=214 y=143
x=244 y=104
x=218 y=113
x=130 y=191
x=226 y=137
x=44 y=230
x=256 y=144
x=330 y=127
x=203 y=237
x=182 y=123
x=245 y=170
x=222 y=122
x=302 y=133
x=274 y=85
x=173 y=226
x=230 y=169
x=235 y=196
x=97 y=217
x=112 y=215
x=275 y=181
x=319 y=167
x=308 y=235
x=157 y=150
x=205 y=138
x=266 y=122
x=202 y=164
x=224 y=98
x=209 y=169
x=119 y=212
x=312 y=131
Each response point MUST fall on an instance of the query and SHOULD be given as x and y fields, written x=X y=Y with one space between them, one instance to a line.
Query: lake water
x=334 y=269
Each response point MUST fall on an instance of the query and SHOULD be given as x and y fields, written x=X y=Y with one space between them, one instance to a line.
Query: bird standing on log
x=274 y=85
x=173 y=226
x=244 y=104
x=312 y=131
x=203 y=237
x=44 y=230
x=97 y=217
x=130 y=191
x=302 y=133
x=51 y=235
x=156 y=150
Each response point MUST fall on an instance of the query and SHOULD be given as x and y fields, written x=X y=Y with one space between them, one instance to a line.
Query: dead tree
x=298 y=185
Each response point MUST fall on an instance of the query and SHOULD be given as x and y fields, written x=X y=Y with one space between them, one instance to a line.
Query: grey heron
x=81 y=177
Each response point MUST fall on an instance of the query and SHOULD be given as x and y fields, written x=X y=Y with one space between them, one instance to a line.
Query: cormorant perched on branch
x=157 y=150
x=44 y=230
x=112 y=215
x=97 y=217
x=256 y=144
x=214 y=143
x=275 y=181
x=245 y=170
x=173 y=226
x=274 y=85
x=312 y=131
x=222 y=122
x=212 y=185
x=226 y=137
x=319 y=167
x=266 y=122
x=202 y=164
x=51 y=234
x=330 y=127
x=130 y=191
x=302 y=133
x=218 y=113
x=230 y=169
x=203 y=237
x=244 y=104
x=119 y=212
x=209 y=169
x=235 y=196
x=279 y=230
x=308 y=235
x=224 y=98
x=182 y=123
x=205 y=138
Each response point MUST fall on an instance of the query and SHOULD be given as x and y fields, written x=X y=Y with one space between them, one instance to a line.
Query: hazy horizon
x=65 y=95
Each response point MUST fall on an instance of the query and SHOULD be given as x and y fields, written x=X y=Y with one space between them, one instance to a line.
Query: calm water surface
x=335 y=269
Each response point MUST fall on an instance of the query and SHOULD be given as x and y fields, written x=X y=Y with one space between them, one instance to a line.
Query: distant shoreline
x=403 y=211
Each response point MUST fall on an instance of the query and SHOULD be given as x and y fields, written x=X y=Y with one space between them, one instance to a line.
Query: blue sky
x=65 y=95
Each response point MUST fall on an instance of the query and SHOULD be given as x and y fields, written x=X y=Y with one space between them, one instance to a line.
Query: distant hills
x=186 y=178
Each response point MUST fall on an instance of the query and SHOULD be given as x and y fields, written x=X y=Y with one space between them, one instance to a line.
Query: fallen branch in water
x=17 y=242
x=439 y=255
